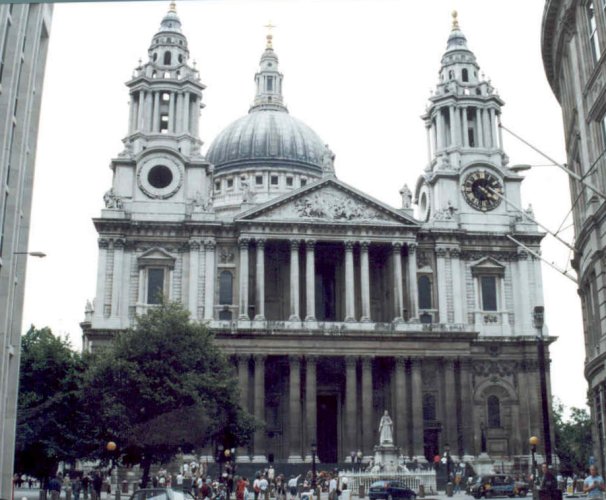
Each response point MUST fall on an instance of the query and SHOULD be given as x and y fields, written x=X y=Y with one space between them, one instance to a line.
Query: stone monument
x=386 y=454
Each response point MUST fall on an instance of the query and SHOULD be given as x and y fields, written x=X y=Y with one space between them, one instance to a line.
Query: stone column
x=467 y=408
x=368 y=424
x=493 y=138
x=440 y=130
x=260 y=282
x=453 y=125
x=350 y=404
x=243 y=243
x=132 y=114
x=350 y=306
x=487 y=131
x=156 y=119
x=117 y=277
x=428 y=130
x=294 y=281
x=418 y=451
x=479 y=128
x=195 y=119
x=141 y=110
x=243 y=378
x=365 y=280
x=397 y=278
x=194 y=275
x=259 y=407
x=179 y=113
x=209 y=284
x=450 y=398
x=413 y=292
x=186 y=112
x=500 y=135
x=294 y=408
x=148 y=111
x=457 y=285
x=171 y=113
x=442 y=285
x=101 y=279
x=525 y=317
x=465 y=132
x=311 y=404
x=402 y=438
x=310 y=280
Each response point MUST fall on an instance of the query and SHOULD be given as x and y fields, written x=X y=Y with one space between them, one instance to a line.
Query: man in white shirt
x=264 y=488
x=292 y=486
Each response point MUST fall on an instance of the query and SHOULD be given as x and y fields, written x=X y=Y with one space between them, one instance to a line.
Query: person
x=292 y=486
x=332 y=488
x=54 y=486
x=263 y=488
x=593 y=484
x=549 y=483
x=76 y=487
x=241 y=488
x=97 y=484
x=256 y=487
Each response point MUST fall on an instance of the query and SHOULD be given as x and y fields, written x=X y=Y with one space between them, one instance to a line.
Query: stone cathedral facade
x=332 y=305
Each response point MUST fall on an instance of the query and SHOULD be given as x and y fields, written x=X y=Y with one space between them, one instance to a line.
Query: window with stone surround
x=155 y=285
x=493 y=409
x=592 y=26
x=488 y=275
x=155 y=275
x=226 y=287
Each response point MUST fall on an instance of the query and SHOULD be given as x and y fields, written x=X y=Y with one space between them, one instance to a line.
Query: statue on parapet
x=386 y=430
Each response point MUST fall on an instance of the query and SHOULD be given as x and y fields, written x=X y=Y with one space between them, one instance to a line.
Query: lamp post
x=111 y=447
x=533 y=441
x=314 y=450
x=539 y=318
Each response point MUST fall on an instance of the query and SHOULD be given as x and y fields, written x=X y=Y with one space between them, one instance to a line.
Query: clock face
x=481 y=189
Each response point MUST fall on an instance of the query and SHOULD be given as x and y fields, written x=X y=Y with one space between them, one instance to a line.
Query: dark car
x=389 y=490
x=497 y=485
x=161 y=494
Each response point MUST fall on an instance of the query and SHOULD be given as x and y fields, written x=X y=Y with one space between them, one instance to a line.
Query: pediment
x=328 y=201
x=156 y=257
x=487 y=265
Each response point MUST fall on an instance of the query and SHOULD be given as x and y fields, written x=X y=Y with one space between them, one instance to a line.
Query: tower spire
x=268 y=79
x=455 y=20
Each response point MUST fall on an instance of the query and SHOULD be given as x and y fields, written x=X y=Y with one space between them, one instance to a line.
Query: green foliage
x=573 y=440
x=164 y=385
x=48 y=415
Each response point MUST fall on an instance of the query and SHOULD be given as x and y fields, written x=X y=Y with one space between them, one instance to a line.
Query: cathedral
x=332 y=305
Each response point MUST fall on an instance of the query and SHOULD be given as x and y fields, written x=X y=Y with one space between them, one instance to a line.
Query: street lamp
x=533 y=448
x=539 y=319
x=314 y=450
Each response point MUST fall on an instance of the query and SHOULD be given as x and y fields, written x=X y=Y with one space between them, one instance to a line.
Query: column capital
x=441 y=252
x=260 y=242
x=259 y=358
x=312 y=358
x=416 y=362
x=351 y=361
x=243 y=243
x=396 y=246
x=412 y=248
x=103 y=243
x=349 y=245
x=364 y=244
x=119 y=243
x=194 y=244
x=294 y=359
x=455 y=253
x=310 y=244
x=295 y=244
x=400 y=362
x=243 y=358
x=366 y=361
x=210 y=244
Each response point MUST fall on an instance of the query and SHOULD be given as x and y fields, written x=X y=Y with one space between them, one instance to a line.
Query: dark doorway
x=327 y=429
x=326 y=309
x=431 y=441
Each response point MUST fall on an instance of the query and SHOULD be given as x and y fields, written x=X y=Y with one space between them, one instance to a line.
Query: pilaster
x=260 y=281
x=243 y=244
x=259 y=407
x=294 y=281
x=294 y=407
x=209 y=283
x=310 y=280
x=350 y=308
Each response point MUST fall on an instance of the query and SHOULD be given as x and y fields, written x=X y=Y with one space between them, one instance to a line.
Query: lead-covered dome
x=268 y=137
x=264 y=137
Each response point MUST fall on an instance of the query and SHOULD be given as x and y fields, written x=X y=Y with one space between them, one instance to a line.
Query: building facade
x=333 y=306
x=24 y=31
x=573 y=47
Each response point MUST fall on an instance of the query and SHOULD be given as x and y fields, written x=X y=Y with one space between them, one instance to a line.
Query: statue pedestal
x=387 y=456
x=483 y=464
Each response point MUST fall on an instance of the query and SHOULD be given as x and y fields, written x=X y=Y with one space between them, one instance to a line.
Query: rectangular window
x=488 y=286
x=594 y=41
x=163 y=123
x=259 y=180
x=303 y=182
x=270 y=83
x=230 y=183
x=4 y=48
x=155 y=285
x=217 y=185
x=289 y=181
x=274 y=180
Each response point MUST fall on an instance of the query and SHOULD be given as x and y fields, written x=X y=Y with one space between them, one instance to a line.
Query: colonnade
x=358 y=427
x=351 y=314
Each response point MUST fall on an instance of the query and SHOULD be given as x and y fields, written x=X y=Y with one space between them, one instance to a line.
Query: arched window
x=424 y=286
x=180 y=58
x=167 y=58
x=429 y=407
x=494 y=412
x=226 y=280
x=155 y=57
x=450 y=74
x=464 y=75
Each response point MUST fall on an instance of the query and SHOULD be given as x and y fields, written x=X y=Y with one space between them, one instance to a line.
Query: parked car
x=389 y=490
x=497 y=485
x=161 y=494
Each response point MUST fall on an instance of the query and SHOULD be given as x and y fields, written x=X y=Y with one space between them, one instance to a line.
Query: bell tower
x=160 y=169
x=467 y=173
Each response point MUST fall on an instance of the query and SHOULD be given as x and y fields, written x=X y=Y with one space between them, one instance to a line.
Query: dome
x=268 y=136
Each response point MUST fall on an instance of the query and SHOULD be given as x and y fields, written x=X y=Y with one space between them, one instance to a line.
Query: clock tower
x=467 y=180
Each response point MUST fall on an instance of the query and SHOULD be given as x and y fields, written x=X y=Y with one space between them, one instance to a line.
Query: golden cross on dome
x=455 y=20
x=269 y=36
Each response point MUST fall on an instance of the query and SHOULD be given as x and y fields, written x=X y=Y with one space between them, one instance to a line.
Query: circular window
x=160 y=176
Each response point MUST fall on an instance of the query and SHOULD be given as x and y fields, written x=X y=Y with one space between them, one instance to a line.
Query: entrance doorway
x=431 y=439
x=327 y=429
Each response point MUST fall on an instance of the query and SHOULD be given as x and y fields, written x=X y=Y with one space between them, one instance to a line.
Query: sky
x=359 y=72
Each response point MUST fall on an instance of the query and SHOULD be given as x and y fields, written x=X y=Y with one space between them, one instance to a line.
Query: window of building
x=4 y=48
x=167 y=58
x=163 y=123
x=465 y=75
x=226 y=285
x=424 y=288
x=270 y=83
x=493 y=406
x=259 y=180
x=594 y=41
x=274 y=180
x=488 y=291
x=230 y=183
x=429 y=407
x=217 y=185
x=289 y=181
x=303 y=182
x=155 y=285
x=165 y=96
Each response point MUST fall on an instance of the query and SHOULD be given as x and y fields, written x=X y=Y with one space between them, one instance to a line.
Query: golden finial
x=172 y=7
x=455 y=21
x=269 y=36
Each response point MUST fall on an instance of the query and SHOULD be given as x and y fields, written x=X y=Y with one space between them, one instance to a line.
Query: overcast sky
x=359 y=72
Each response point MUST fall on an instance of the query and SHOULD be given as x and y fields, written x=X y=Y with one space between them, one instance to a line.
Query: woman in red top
x=241 y=488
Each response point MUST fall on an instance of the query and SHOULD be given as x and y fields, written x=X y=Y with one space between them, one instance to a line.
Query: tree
x=573 y=440
x=49 y=419
x=163 y=386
